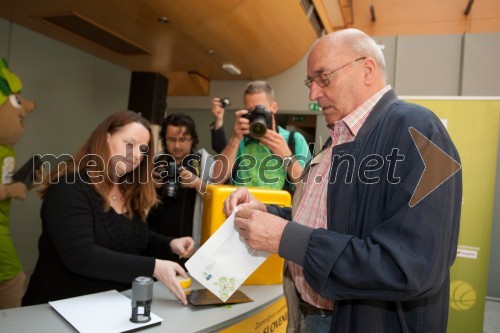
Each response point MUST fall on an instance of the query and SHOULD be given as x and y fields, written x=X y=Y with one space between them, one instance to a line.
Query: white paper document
x=107 y=311
x=224 y=261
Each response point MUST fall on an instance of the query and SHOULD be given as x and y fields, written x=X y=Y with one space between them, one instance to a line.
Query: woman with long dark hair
x=94 y=236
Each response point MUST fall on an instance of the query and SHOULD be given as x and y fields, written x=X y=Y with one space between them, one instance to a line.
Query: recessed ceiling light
x=232 y=69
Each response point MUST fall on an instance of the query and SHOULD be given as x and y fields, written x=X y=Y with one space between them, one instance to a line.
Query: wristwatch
x=287 y=161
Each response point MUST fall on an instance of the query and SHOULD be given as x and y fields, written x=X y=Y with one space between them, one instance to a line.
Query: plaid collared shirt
x=312 y=209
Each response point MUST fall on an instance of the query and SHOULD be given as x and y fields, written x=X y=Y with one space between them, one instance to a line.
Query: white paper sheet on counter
x=104 y=312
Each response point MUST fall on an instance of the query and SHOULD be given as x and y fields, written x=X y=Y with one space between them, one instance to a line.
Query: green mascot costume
x=13 y=110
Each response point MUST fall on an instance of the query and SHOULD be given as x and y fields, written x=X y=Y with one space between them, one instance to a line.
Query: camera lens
x=258 y=128
x=170 y=190
x=225 y=102
x=168 y=173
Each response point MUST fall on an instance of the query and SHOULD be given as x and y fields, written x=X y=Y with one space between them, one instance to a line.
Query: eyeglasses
x=322 y=79
x=183 y=139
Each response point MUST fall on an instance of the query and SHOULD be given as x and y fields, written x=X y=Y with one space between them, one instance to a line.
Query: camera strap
x=291 y=142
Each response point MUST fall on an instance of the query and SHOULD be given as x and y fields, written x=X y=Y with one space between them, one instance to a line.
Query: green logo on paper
x=226 y=286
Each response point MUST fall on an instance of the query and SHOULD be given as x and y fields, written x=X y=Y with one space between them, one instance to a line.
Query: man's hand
x=241 y=125
x=157 y=180
x=261 y=231
x=187 y=179
x=276 y=144
x=243 y=198
x=218 y=112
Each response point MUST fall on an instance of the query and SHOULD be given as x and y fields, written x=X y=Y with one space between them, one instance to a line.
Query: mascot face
x=12 y=114
x=13 y=107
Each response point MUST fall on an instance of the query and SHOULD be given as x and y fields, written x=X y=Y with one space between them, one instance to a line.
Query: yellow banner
x=473 y=126
x=272 y=319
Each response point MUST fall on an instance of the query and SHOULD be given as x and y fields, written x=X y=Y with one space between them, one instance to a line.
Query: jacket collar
x=377 y=112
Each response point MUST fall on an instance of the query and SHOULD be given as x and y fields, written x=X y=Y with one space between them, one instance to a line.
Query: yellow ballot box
x=270 y=272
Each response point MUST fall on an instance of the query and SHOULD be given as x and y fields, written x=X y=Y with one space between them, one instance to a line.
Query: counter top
x=176 y=317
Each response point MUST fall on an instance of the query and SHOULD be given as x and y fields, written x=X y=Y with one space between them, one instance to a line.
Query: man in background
x=265 y=161
x=182 y=173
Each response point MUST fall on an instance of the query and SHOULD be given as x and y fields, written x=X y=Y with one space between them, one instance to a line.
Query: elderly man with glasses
x=356 y=240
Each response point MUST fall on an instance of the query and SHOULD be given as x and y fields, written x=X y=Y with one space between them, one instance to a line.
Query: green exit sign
x=298 y=119
x=314 y=106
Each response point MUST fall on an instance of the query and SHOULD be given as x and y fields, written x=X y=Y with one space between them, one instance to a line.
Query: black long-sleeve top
x=84 y=249
x=219 y=140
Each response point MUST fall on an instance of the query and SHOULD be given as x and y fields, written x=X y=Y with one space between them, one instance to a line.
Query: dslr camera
x=261 y=119
x=168 y=174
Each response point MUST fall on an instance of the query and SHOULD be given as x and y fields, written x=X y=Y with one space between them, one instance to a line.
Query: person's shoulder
x=411 y=114
x=404 y=109
x=298 y=136
x=283 y=132
x=68 y=182
x=6 y=150
x=403 y=116
x=70 y=191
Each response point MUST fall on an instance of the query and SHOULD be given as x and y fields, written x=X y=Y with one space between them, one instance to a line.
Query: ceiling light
x=163 y=20
x=232 y=69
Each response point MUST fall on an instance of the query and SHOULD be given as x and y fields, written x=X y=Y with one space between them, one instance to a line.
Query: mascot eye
x=15 y=100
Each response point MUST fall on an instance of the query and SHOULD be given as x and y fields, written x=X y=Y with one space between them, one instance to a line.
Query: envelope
x=224 y=261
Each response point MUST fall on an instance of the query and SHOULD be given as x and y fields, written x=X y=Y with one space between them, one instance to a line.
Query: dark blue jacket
x=385 y=264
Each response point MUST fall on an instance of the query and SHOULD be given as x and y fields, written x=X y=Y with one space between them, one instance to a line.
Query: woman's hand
x=183 y=246
x=165 y=272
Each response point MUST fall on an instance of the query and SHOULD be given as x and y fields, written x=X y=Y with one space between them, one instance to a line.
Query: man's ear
x=274 y=107
x=369 y=70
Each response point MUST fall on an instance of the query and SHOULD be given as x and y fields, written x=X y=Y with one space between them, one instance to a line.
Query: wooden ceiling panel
x=262 y=38
x=254 y=35
x=397 y=17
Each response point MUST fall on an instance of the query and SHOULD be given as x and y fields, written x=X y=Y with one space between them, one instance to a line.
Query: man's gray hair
x=256 y=87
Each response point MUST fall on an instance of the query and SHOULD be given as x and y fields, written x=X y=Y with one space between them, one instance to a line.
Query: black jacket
x=386 y=264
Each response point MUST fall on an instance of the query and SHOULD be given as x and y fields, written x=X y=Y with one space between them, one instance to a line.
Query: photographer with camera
x=180 y=175
x=261 y=153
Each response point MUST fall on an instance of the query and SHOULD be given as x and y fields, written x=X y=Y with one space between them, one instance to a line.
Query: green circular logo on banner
x=462 y=295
